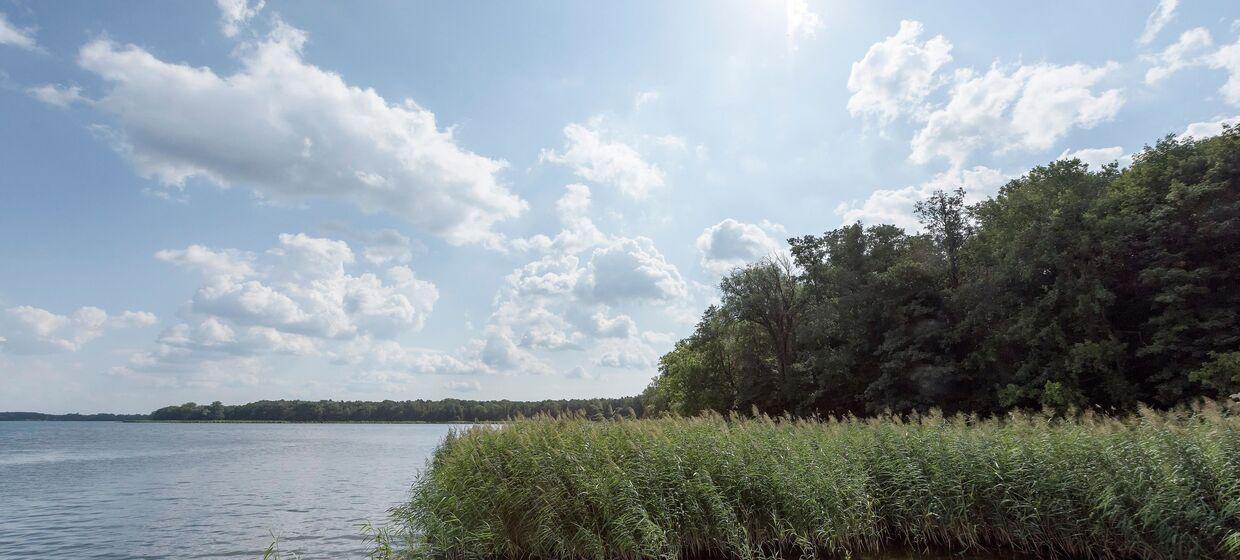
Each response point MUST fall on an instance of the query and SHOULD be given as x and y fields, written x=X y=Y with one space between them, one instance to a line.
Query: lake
x=117 y=490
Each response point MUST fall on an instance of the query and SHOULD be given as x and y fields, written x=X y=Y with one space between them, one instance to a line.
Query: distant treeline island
x=446 y=410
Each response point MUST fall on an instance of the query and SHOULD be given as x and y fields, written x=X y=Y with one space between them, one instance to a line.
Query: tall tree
x=766 y=294
x=946 y=219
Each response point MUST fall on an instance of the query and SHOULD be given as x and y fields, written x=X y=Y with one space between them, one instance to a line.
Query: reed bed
x=1155 y=485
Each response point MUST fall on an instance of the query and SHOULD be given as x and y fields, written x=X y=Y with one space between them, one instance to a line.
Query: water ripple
x=116 y=491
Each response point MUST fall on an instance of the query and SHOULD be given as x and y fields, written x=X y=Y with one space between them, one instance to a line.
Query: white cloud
x=896 y=74
x=802 y=22
x=599 y=323
x=1098 y=157
x=608 y=162
x=131 y=319
x=389 y=356
x=298 y=298
x=292 y=131
x=1206 y=129
x=631 y=269
x=1158 y=19
x=564 y=299
x=1184 y=53
x=578 y=233
x=730 y=244
x=1192 y=50
x=626 y=354
x=1228 y=58
x=1030 y=108
x=32 y=330
x=579 y=372
x=236 y=13
x=57 y=95
x=20 y=37
x=499 y=353
x=388 y=246
x=1026 y=107
x=895 y=206
x=229 y=263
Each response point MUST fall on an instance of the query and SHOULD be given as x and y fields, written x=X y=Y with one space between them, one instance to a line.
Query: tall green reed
x=1155 y=485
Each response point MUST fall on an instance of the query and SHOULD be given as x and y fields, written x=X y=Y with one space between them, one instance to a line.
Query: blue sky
x=238 y=201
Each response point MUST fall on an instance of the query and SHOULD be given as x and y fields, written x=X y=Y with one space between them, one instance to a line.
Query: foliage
x=1070 y=288
x=1156 y=485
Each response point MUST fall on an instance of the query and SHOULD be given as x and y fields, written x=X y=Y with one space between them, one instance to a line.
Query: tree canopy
x=1069 y=288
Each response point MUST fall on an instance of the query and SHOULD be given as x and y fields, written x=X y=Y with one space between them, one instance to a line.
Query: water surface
x=117 y=491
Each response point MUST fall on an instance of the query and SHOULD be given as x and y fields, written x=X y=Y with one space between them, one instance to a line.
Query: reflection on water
x=118 y=491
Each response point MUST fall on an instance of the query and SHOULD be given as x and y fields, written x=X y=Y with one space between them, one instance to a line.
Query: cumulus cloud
x=895 y=206
x=375 y=356
x=1023 y=107
x=1030 y=108
x=594 y=157
x=227 y=263
x=58 y=96
x=1193 y=49
x=1206 y=129
x=236 y=13
x=296 y=298
x=626 y=354
x=578 y=233
x=566 y=298
x=896 y=74
x=32 y=330
x=1186 y=52
x=1158 y=19
x=628 y=269
x=1098 y=157
x=292 y=131
x=20 y=37
x=729 y=244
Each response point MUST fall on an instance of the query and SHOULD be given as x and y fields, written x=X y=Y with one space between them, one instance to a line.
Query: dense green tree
x=1069 y=288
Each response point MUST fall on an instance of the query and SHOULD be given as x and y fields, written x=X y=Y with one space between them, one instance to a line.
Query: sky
x=391 y=200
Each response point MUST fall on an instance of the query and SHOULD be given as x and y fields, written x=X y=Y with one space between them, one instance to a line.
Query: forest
x=1071 y=288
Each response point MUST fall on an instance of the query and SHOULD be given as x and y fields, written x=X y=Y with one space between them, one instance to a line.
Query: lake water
x=115 y=490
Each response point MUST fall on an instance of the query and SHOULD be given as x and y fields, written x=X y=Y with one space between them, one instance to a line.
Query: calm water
x=112 y=490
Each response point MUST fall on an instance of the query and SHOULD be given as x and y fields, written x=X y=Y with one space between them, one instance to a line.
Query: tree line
x=71 y=417
x=1070 y=288
x=446 y=410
